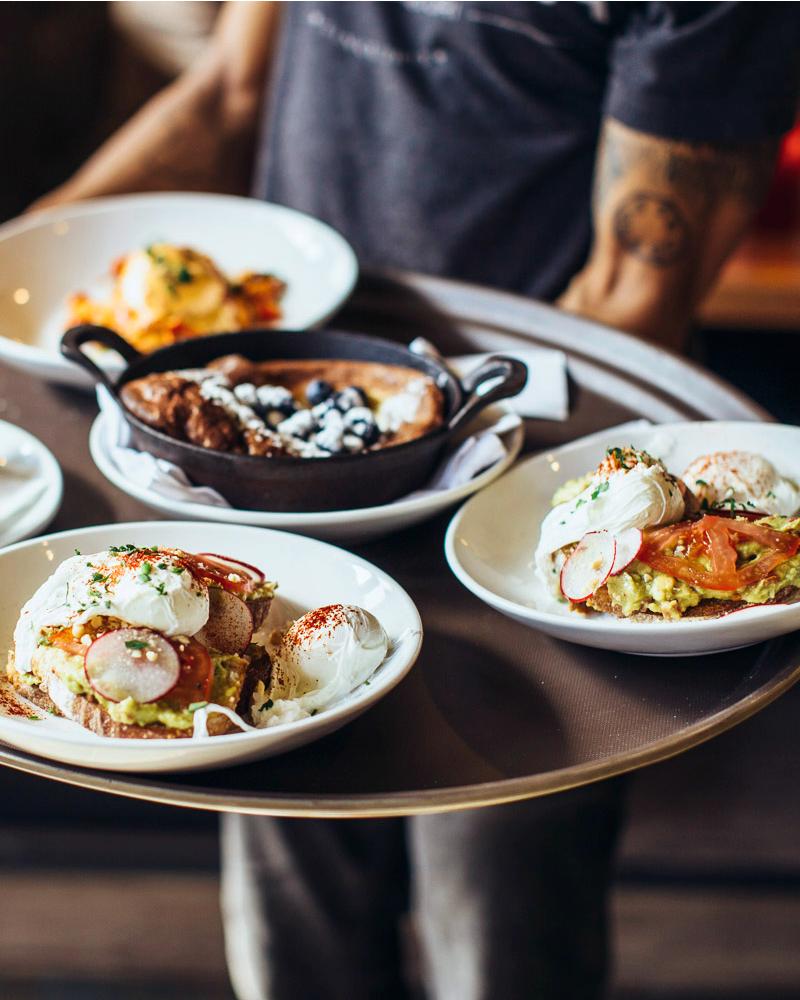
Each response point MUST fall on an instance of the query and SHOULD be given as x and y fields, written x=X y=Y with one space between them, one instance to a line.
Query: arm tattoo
x=652 y=228
x=673 y=187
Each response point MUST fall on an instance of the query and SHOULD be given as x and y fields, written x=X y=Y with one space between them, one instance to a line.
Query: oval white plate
x=491 y=540
x=350 y=526
x=28 y=502
x=47 y=256
x=310 y=574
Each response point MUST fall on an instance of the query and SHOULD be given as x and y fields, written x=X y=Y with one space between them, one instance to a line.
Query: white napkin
x=478 y=453
x=546 y=394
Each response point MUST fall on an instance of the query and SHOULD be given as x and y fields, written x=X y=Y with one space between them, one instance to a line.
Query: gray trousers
x=506 y=902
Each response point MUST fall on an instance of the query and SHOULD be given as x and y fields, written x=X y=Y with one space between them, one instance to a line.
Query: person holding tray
x=606 y=157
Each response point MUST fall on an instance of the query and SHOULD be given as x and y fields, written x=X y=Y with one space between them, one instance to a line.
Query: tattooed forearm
x=666 y=215
x=701 y=174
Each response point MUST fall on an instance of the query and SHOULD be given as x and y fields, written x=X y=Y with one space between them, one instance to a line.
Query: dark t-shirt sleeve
x=713 y=72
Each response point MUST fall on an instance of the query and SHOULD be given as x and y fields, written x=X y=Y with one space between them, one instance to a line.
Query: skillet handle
x=74 y=339
x=497 y=378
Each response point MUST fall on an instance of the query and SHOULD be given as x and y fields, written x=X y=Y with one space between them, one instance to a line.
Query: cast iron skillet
x=302 y=484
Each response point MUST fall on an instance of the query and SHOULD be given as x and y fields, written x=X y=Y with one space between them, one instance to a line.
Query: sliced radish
x=228 y=565
x=629 y=544
x=229 y=628
x=588 y=566
x=132 y=663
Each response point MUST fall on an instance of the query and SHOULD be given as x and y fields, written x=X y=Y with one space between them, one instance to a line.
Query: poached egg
x=629 y=489
x=151 y=588
x=741 y=480
x=164 y=281
x=322 y=657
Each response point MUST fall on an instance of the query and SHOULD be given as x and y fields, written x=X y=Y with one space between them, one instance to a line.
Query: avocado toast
x=706 y=567
x=133 y=641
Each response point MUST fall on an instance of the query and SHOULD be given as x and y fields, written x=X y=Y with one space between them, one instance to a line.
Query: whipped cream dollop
x=741 y=480
x=629 y=489
x=322 y=657
x=151 y=588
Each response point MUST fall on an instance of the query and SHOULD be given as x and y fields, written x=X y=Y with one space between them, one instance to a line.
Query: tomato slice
x=196 y=678
x=712 y=540
x=217 y=573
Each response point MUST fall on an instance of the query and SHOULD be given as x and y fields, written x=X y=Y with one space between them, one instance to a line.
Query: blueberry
x=350 y=397
x=318 y=391
x=275 y=398
x=300 y=424
x=367 y=431
x=352 y=443
x=358 y=415
x=321 y=409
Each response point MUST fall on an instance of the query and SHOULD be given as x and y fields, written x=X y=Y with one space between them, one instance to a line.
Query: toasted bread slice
x=710 y=608
x=54 y=696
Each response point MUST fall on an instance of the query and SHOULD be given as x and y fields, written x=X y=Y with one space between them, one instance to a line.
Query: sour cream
x=630 y=489
x=324 y=655
x=153 y=590
x=743 y=480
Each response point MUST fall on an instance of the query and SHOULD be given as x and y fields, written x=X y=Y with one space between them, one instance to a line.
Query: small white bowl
x=49 y=255
x=309 y=573
x=491 y=540
x=30 y=500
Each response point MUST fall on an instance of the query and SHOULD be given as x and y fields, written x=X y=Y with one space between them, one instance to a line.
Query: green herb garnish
x=135 y=644
x=600 y=488
x=267 y=705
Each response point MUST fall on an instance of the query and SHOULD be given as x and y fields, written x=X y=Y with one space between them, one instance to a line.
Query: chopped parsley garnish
x=184 y=275
x=770 y=494
x=600 y=488
x=267 y=705
x=162 y=565
x=44 y=641
x=314 y=710
x=580 y=503
x=177 y=570
x=619 y=455
x=161 y=589
x=34 y=718
x=97 y=577
x=117 y=549
x=77 y=552
x=146 y=570
x=700 y=482
x=135 y=644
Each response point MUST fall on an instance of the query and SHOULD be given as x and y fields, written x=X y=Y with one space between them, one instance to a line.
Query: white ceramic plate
x=310 y=574
x=31 y=484
x=47 y=256
x=343 y=526
x=491 y=540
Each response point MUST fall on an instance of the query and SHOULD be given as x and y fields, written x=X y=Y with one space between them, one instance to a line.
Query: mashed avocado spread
x=69 y=668
x=641 y=588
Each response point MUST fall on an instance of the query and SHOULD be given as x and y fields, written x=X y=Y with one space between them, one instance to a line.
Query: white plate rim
x=329 y=518
x=58 y=366
x=382 y=681
x=610 y=627
x=48 y=505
